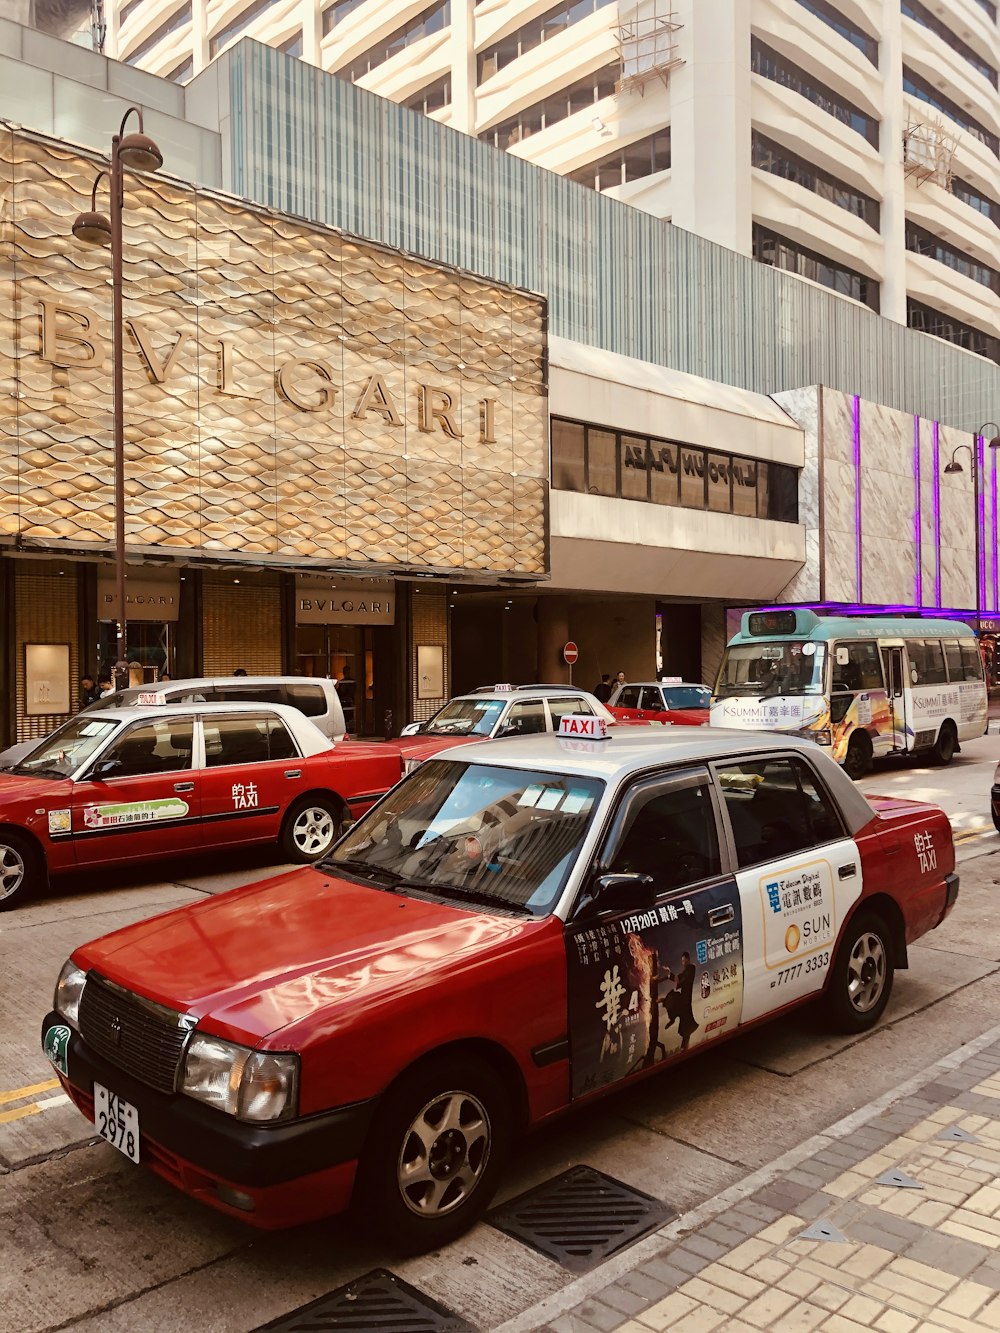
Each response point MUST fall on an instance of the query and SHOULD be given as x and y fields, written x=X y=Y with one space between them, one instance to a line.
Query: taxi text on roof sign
x=585 y=725
x=150 y=697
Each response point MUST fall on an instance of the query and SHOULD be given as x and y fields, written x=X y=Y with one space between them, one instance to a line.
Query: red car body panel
x=682 y=717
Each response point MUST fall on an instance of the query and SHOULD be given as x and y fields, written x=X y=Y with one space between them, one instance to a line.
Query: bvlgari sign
x=292 y=394
x=322 y=600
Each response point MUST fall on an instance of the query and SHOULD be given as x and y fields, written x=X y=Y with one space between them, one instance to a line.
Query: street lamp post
x=952 y=466
x=140 y=153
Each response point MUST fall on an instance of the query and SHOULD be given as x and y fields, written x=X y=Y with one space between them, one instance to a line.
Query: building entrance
x=344 y=653
x=150 y=643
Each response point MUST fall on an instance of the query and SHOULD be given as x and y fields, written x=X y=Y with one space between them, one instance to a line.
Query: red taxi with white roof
x=516 y=928
x=155 y=779
x=668 y=700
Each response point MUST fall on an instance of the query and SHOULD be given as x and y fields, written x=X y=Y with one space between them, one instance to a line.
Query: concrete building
x=854 y=144
x=657 y=451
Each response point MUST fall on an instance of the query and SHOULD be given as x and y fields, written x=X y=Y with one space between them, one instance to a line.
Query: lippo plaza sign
x=291 y=393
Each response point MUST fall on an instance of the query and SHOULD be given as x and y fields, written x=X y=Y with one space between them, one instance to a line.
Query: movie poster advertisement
x=646 y=986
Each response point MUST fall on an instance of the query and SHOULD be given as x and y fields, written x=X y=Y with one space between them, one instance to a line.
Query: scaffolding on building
x=929 y=152
x=647 y=47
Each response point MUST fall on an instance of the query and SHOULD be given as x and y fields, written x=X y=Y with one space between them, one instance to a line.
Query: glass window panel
x=671 y=836
x=235 y=740
x=602 y=472
x=664 y=473
x=693 y=478
x=972 y=660
x=719 y=484
x=635 y=471
x=567 y=456
x=745 y=472
x=953 y=660
x=155 y=747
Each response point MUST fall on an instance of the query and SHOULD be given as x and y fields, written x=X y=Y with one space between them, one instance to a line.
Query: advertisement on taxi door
x=646 y=986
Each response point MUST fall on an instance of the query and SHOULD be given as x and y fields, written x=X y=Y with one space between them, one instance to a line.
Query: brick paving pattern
x=912 y=1259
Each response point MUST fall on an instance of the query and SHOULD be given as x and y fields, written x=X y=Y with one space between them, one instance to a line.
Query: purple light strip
x=981 y=520
x=887 y=608
x=993 y=543
x=917 y=534
x=857 y=491
x=937 y=513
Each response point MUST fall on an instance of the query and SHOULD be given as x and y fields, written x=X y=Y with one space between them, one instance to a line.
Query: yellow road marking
x=19 y=1113
x=29 y=1091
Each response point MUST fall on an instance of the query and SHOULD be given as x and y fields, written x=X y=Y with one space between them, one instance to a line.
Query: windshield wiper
x=473 y=896
x=363 y=869
x=24 y=772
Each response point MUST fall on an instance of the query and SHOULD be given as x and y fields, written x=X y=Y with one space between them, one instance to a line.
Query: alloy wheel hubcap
x=444 y=1154
x=11 y=872
x=866 y=972
x=313 y=830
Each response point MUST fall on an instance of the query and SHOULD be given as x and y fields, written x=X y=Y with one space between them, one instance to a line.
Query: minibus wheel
x=946 y=744
x=859 y=755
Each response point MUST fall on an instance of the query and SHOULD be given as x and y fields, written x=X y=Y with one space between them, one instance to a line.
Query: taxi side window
x=236 y=740
x=775 y=808
x=672 y=836
x=279 y=741
x=560 y=708
x=153 y=747
x=629 y=697
x=652 y=699
x=525 y=719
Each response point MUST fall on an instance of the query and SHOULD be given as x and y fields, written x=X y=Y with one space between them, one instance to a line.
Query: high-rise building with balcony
x=855 y=144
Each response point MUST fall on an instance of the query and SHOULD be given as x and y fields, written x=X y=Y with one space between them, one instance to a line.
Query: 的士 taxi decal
x=134 y=812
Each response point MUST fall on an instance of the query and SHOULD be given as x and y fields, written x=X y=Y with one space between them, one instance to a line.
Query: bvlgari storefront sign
x=321 y=600
x=149 y=595
x=291 y=393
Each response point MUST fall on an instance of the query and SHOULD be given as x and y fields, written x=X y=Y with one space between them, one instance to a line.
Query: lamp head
x=93 y=229
x=995 y=442
x=954 y=467
x=139 y=152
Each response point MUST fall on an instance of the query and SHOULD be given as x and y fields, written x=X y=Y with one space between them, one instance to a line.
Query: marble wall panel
x=803 y=406
x=838 y=426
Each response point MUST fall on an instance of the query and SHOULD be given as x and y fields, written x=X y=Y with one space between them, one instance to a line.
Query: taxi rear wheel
x=861 y=976
x=21 y=870
x=435 y=1153
x=311 y=828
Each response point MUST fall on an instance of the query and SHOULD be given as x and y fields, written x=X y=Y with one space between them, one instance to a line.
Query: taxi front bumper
x=267 y=1175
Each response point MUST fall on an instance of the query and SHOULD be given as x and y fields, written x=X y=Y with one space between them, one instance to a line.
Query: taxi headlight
x=259 y=1086
x=69 y=988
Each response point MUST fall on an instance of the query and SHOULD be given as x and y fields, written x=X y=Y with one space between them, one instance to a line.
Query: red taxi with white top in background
x=668 y=700
x=156 y=779
x=516 y=928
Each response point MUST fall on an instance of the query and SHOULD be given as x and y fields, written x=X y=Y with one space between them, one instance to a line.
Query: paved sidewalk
x=924 y=1255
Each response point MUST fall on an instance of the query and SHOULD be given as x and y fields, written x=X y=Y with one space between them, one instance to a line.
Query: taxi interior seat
x=137 y=755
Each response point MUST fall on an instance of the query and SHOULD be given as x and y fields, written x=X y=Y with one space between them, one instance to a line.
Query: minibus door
x=893 y=661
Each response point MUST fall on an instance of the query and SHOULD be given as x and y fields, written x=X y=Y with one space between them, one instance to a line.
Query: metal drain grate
x=379 y=1300
x=581 y=1217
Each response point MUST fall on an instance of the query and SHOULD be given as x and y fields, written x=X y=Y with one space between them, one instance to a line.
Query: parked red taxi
x=133 y=783
x=667 y=700
x=517 y=927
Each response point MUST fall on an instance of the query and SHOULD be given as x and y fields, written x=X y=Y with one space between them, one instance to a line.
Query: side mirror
x=622 y=893
x=106 y=768
x=411 y=729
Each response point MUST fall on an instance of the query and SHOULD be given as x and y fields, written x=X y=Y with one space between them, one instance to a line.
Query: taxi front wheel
x=861 y=976
x=21 y=870
x=311 y=828
x=435 y=1153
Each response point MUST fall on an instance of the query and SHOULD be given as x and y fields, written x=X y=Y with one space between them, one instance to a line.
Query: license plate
x=117 y=1121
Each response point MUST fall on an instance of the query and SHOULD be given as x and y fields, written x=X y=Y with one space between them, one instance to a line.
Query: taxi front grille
x=145 y=1039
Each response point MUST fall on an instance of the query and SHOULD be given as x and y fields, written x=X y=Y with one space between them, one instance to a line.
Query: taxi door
x=141 y=797
x=648 y=982
x=626 y=706
x=799 y=875
x=253 y=772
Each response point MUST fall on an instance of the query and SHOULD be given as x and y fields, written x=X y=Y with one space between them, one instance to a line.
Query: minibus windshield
x=759 y=670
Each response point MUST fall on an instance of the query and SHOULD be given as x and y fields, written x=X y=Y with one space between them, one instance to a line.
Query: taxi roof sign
x=503 y=689
x=584 y=726
x=149 y=697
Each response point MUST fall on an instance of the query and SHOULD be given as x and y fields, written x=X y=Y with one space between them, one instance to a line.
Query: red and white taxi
x=517 y=927
x=668 y=700
x=155 y=780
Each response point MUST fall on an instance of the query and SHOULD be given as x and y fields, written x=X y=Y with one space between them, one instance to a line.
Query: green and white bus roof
x=801 y=623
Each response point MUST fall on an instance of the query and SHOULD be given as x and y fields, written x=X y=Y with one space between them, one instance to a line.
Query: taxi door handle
x=293 y=772
x=719 y=916
x=183 y=786
x=848 y=871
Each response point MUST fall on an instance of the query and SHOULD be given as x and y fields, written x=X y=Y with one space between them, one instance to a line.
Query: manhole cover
x=379 y=1300
x=581 y=1217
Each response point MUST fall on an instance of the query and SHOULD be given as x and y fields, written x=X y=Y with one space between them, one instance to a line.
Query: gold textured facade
x=293 y=396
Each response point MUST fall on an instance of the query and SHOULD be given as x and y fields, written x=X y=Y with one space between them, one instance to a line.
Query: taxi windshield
x=465 y=717
x=473 y=832
x=62 y=753
x=686 y=696
x=762 y=670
